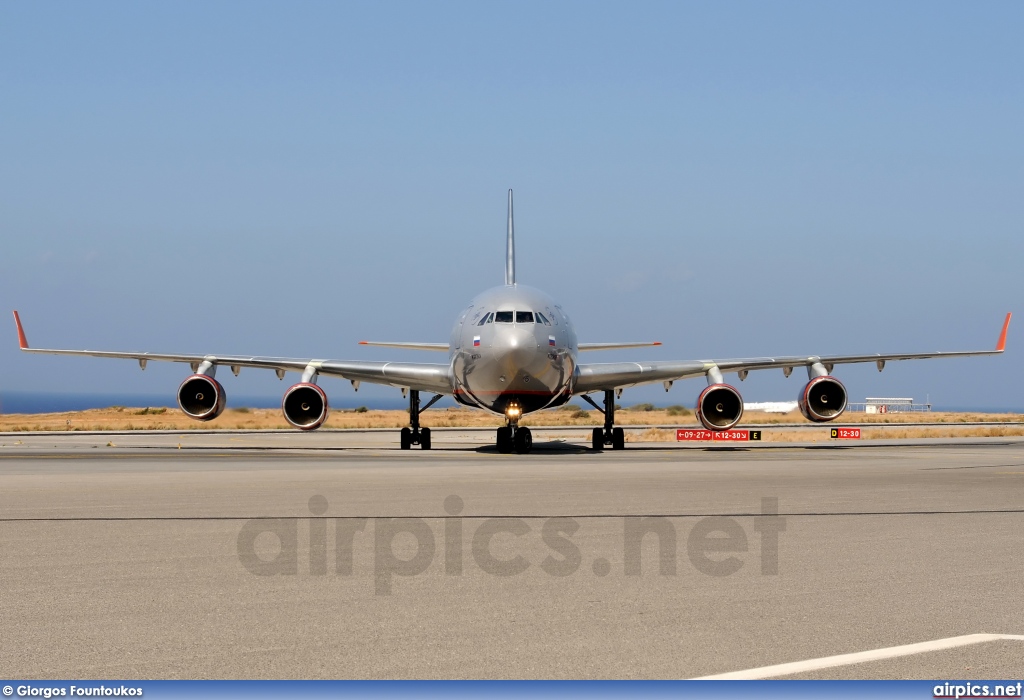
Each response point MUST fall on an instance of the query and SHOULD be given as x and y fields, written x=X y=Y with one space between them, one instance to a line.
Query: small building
x=878 y=404
x=771 y=406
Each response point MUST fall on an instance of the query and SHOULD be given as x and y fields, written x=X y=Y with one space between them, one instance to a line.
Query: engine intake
x=823 y=399
x=305 y=406
x=201 y=397
x=719 y=407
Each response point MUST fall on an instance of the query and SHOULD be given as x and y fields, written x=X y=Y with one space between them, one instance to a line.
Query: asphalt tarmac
x=340 y=556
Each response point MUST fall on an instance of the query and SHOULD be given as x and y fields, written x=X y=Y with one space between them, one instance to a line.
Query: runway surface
x=143 y=560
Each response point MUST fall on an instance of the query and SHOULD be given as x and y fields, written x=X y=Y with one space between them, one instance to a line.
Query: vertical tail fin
x=510 y=247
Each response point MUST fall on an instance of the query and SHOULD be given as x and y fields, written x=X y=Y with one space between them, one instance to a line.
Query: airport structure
x=873 y=405
x=771 y=406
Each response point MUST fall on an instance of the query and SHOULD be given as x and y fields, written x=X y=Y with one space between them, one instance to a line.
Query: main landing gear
x=414 y=435
x=609 y=435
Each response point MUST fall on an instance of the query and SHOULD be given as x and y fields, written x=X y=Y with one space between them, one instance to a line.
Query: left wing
x=615 y=375
x=614 y=346
x=414 y=375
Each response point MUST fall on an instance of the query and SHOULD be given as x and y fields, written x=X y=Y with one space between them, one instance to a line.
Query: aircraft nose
x=517 y=346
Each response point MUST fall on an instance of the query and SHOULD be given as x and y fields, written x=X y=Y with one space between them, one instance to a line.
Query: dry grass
x=119 y=419
x=951 y=431
x=270 y=418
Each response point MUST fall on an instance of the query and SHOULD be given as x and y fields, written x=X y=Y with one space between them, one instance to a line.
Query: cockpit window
x=524 y=317
x=504 y=316
x=541 y=318
x=485 y=319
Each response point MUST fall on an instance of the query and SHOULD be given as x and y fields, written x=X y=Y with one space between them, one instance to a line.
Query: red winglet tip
x=363 y=342
x=22 y=342
x=1001 y=345
x=658 y=342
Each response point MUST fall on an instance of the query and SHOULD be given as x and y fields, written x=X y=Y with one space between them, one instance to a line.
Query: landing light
x=513 y=411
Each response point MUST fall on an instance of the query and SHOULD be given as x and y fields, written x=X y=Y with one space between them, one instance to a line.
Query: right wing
x=413 y=375
x=615 y=375
x=440 y=347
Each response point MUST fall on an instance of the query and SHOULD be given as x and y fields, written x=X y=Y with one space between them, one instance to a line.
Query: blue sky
x=733 y=179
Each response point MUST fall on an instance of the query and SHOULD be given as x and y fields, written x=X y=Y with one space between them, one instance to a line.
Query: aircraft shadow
x=553 y=447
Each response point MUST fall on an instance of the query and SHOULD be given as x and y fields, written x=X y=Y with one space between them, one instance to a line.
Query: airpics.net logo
x=966 y=689
x=506 y=546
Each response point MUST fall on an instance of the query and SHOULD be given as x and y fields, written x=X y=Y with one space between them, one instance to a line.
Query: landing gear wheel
x=618 y=439
x=597 y=438
x=505 y=440
x=425 y=439
x=406 y=438
x=523 y=440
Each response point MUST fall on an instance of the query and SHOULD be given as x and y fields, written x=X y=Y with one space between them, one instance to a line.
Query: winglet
x=1001 y=345
x=23 y=343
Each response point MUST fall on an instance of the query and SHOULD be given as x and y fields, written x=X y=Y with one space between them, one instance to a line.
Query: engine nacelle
x=305 y=406
x=719 y=407
x=822 y=399
x=201 y=397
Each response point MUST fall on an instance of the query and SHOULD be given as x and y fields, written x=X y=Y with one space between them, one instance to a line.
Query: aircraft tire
x=425 y=439
x=505 y=440
x=597 y=439
x=523 y=440
x=618 y=439
x=406 y=439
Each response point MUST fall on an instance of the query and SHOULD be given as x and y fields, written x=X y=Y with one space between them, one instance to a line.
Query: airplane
x=511 y=352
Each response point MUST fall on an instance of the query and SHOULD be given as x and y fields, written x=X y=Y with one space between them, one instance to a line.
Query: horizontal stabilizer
x=438 y=347
x=615 y=346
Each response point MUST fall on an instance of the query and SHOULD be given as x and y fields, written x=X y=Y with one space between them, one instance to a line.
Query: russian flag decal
x=551 y=340
x=476 y=341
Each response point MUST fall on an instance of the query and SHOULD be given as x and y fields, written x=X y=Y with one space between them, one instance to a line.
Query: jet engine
x=201 y=397
x=823 y=399
x=305 y=406
x=719 y=407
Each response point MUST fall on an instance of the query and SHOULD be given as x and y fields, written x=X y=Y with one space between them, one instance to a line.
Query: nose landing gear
x=609 y=435
x=513 y=438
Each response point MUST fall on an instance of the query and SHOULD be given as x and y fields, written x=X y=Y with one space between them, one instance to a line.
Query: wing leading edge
x=436 y=347
x=414 y=375
x=615 y=375
x=583 y=347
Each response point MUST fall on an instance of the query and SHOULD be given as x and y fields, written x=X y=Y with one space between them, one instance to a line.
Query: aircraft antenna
x=510 y=247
